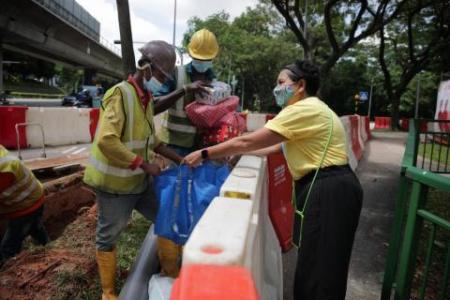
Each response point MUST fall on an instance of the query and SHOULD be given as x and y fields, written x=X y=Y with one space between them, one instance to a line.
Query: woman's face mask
x=283 y=93
x=201 y=66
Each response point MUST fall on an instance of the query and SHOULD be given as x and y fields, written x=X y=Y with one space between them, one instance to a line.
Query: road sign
x=363 y=96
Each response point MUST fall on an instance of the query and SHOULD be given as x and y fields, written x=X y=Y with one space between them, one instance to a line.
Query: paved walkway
x=378 y=172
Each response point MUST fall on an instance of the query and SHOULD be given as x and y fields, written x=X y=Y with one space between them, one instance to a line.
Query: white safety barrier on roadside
x=362 y=128
x=253 y=245
x=255 y=121
x=62 y=126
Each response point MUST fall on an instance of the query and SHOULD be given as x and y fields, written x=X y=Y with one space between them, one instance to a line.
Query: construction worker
x=22 y=202
x=177 y=131
x=328 y=195
x=122 y=160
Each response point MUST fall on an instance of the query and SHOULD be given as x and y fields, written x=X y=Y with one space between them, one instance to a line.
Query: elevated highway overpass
x=59 y=31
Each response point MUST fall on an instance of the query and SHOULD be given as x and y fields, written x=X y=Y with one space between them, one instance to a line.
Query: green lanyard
x=301 y=213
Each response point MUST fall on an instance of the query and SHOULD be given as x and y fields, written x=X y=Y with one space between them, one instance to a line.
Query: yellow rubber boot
x=107 y=269
x=169 y=255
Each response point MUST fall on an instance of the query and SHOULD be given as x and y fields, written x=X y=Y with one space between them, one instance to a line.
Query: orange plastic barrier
x=9 y=117
x=207 y=282
x=281 y=211
x=382 y=122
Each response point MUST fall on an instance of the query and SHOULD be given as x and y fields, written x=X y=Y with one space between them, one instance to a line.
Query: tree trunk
x=395 y=102
x=126 y=38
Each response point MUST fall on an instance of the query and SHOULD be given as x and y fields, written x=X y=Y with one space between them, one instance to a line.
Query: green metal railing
x=411 y=213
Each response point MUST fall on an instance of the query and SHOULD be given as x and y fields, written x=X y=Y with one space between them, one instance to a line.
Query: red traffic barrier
x=281 y=211
x=94 y=115
x=270 y=117
x=208 y=282
x=382 y=122
x=404 y=124
x=9 y=117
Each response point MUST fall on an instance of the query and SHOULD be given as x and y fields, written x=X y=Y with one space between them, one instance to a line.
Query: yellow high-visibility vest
x=176 y=128
x=26 y=189
x=138 y=136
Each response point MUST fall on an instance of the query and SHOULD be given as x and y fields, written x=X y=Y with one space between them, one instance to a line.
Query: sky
x=153 y=19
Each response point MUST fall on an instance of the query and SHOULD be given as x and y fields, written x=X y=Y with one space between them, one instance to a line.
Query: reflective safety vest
x=137 y=135
x=24 y=192
x=176 y=128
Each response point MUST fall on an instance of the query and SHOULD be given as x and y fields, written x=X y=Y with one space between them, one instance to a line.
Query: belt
x=323 y=173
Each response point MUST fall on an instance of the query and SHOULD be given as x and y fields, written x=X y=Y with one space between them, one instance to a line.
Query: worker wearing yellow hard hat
x=177 y=130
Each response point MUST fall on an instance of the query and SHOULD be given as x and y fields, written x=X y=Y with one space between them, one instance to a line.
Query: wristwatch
x=205 y=154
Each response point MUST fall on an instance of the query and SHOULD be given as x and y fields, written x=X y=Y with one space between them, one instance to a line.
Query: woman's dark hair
x=306 y=70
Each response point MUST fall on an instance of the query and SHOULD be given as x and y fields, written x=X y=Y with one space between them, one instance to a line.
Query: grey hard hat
x=161 y=55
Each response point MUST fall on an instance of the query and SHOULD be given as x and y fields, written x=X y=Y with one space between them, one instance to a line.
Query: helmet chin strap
x=147 y=65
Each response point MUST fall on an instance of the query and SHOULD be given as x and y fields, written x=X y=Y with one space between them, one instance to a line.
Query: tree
x=250 y=50
x=328 y=29
x=415 y=41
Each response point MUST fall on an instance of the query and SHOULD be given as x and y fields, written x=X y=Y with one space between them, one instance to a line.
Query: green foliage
x=253 y=48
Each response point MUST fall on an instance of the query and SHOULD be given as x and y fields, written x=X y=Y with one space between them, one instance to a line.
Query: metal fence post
x=409 y=245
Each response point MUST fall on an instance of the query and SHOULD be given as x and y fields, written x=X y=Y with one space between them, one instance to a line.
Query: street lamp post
x=174 y=22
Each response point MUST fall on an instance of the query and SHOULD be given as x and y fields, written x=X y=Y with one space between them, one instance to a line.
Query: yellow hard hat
x=203 y=45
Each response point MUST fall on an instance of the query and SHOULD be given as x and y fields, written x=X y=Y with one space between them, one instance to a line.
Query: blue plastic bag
x=184 y=194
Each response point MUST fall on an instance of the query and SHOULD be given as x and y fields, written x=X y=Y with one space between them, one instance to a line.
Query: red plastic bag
x=208 y=116
x=235 y=120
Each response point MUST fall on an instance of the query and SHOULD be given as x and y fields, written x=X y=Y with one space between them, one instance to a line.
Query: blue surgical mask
x=153 y=85
x=201 y=66
x=282 y=94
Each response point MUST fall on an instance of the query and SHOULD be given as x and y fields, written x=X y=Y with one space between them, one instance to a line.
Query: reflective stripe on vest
x=7 y=159
x=9 y=191
x=130 y=115
x=177 y=113
x=179 y=127
x=115 y=171
x=24 y=194
x=139 y=144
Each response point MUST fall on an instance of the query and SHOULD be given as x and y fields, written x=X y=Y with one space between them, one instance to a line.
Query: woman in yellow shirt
x=312 y=138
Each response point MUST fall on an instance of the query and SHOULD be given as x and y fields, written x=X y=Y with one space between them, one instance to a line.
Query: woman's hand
x=194 y=159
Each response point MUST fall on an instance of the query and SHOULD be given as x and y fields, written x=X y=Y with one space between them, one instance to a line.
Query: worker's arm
x=110 y=131
x=259 y=139
x=163 y=150
x=163 y=103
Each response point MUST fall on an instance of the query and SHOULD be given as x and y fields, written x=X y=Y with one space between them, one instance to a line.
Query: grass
x=438 y=203
x=130 y=242
x=443 y=150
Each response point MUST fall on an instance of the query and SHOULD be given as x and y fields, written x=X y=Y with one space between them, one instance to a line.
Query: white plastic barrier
x=226 y=223
x=254 y=244
x=62 y=126
x=362 y=128
x=255 y=121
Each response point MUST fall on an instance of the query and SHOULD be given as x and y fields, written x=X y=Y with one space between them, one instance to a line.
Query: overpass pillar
x=90 y=77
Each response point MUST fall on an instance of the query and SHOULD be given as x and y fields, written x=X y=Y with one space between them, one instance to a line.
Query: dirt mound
x=61 y=270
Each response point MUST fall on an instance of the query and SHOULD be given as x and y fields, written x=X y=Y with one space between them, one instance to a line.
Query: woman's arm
x=266 y=151
x=259 y=139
